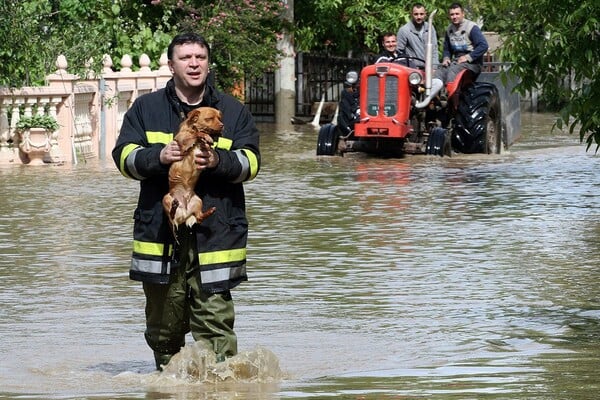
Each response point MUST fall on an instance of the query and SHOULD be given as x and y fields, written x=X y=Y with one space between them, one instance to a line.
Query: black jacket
x=147 y=127
x=347 y=116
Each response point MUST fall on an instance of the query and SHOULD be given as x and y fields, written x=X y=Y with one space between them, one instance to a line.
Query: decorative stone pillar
x=55 y=155
x=7 y=154
x=126 y=63
x=163 y=73
x=15 y=116
x=145 y=63
x=30 y=102
x=61 y=81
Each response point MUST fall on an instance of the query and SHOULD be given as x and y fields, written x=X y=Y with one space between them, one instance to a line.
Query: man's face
x=456 y=15
x=389 y=43
x=418 y=15
x=189 y=65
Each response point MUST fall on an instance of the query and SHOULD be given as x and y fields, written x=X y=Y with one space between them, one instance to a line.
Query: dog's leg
x=195 y=213
x=171 y=205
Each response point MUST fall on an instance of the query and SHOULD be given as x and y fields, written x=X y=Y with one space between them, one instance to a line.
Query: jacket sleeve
x=480 y=45
x=435 y=61
x=401 y=40
x=133 y=154
x=446 y=52
x=239 y=154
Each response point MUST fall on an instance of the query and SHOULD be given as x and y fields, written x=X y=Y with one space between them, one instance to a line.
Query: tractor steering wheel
x=405 y=60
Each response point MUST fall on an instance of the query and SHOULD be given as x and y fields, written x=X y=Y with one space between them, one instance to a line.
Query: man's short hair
x=185 y=38
x=455 y=5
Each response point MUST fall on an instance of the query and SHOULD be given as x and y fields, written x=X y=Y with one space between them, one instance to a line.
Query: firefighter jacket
x=147 y=127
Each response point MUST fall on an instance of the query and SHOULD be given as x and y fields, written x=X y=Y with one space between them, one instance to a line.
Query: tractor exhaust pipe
x=429 y=55
x=428 y=64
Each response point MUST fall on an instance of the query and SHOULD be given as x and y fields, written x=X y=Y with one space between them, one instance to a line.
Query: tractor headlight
x=351 y=78
x=415 y=78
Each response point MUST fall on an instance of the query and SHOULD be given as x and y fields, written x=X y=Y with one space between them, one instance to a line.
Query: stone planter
x=34 y=145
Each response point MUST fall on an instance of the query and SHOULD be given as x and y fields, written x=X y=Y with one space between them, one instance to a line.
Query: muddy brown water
x=423 y=277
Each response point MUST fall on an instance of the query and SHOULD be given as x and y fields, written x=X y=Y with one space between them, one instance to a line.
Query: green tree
x=555 y=46
x=340 y=27
x=35 y=32
x=242 y=33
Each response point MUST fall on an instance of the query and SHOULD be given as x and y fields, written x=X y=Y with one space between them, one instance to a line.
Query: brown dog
x=181 y=204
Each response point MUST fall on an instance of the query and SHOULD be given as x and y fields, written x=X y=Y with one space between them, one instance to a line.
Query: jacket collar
x=210 y=99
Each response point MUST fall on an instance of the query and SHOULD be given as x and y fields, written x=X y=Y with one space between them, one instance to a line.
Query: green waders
x=175 y=309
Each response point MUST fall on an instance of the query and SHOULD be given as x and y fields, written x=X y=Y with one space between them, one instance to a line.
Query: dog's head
x=205 y=120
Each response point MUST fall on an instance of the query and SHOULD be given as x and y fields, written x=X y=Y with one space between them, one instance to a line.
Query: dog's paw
x=173 y=210
x=191 y=221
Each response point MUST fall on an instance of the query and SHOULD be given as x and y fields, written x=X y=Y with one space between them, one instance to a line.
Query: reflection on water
x=370 y=278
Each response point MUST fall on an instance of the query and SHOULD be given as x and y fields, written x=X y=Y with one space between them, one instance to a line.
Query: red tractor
x=396 y=114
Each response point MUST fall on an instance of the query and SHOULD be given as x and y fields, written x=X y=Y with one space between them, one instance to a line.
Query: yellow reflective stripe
x=149 y=248
x=124 y=153
x=223 y=256
x=253 y=160
x=223 y=143
x=159 y=137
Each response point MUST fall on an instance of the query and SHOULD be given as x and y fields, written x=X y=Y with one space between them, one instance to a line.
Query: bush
x=37 y=121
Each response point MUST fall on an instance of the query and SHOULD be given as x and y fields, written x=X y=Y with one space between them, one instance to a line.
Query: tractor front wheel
x=438 y=143
x=327 y=142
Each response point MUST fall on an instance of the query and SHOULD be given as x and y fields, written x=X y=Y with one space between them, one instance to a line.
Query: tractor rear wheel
x=327 y=141
x=478 y=124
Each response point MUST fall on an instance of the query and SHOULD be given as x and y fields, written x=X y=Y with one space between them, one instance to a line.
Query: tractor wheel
x=438 y=143
x=478 y=124
x=327 y=141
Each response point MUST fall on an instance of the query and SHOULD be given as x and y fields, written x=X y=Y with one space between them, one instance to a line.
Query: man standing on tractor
x=412 y=38
x=464 y=48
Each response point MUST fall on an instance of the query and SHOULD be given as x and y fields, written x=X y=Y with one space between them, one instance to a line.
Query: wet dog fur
x=181 y=204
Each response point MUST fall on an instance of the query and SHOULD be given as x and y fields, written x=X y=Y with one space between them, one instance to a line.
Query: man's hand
x=170 y=153
x=462 y=59
x=206 y=157
x=446 y=62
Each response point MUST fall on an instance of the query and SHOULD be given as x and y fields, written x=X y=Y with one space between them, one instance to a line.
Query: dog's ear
x=193 y=116
x=192 y=119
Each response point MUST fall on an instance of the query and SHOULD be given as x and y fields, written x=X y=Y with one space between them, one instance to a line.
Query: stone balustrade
x=89 y=111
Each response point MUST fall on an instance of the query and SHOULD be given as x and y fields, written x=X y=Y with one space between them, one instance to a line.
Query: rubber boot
x=436 y=86
x=161 y=360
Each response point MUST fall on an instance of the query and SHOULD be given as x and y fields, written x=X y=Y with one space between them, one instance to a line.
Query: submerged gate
x=317 y=77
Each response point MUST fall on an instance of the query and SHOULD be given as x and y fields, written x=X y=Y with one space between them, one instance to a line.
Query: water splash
x=196 y=363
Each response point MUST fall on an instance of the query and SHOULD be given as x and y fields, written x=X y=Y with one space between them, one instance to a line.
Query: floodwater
x=467 y=277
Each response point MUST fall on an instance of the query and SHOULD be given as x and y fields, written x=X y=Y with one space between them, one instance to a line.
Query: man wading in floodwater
x=187 y=285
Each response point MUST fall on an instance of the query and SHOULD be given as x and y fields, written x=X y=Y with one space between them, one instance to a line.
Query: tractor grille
x=391 y=94
x=372 y=95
